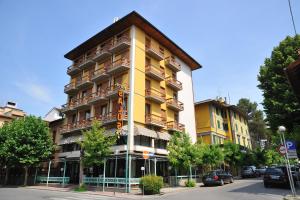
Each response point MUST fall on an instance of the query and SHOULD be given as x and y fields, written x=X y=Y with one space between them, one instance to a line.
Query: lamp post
x=281 y=130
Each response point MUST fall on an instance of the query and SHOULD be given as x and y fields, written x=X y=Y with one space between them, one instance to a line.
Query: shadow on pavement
x=258 y=188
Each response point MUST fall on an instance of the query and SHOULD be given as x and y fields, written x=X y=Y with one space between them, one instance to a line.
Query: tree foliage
x=280 y=103
x=256 y=123
x=212 y=156
x=272 y=157
x=232 y=153
x=27 y=142
x=96 y=145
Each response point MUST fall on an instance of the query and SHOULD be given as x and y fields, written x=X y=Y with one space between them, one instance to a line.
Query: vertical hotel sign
x=120 y=110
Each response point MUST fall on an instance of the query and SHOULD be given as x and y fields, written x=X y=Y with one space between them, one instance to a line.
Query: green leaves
x=25 y=141
x=96 y=145
x=280 y=104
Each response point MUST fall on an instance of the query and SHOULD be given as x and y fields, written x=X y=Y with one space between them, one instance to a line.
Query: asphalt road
x=247 y=189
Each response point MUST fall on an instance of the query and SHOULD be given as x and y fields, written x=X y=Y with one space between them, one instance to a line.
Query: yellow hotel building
x=155 y=76
x=217 y=121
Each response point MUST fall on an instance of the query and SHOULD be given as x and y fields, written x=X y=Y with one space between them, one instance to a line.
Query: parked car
x=249 y=171
x=217 y=177
x=277 y=176
x=261 y=170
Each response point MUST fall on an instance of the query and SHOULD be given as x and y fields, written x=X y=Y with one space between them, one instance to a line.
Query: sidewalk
x=92 y=190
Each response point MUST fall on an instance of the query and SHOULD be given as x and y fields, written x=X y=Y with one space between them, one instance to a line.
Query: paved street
x=249 y=189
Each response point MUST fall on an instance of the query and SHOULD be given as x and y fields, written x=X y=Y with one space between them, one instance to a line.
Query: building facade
x=131 y=77
x=217 y=121
x=10 y=112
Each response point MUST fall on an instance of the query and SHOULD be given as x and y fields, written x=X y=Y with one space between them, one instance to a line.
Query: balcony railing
x=154 y=53
x=87 y=59
x=155 y=120
x=84 y=81
x=175 y=104
x=77 y=126
x=72 y=70
x=102 y=53
x=175 y=126
x=68 y=107
x=171 y=63
x=155 y=95
x=82 y=102
x=120 y=44
x=174 y=83
x=100 y=73
x=113 y=89
x=98 y=96
x=112 y=117
x=119 y=66
x=70 y=88
x=155 y=72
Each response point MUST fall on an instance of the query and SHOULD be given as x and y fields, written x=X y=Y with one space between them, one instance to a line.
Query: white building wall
x=186 y=96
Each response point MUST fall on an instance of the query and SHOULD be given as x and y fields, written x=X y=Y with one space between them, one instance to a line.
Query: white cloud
x=37 y=91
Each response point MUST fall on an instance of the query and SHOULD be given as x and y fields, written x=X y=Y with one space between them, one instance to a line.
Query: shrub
x=81 y=188
x=190 y=183
x=151 y=184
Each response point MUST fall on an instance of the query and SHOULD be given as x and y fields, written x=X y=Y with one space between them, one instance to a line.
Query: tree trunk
x=6 y=175
x=80 y=172
x=26 y=175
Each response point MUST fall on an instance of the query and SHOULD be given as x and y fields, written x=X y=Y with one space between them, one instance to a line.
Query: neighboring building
x=10 y=112
x=155 y=77
x=217 y=121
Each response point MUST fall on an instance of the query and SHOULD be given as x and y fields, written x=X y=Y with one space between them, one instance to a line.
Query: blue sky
x=229 y=38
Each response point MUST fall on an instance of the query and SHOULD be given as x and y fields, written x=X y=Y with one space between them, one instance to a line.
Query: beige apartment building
x=10 y=112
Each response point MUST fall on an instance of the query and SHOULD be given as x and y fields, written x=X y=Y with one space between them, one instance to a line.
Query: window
x=244 y=141
x=87 y=114
x=54 y=136
x=242 y=129
x=160 y=144
x=74 y=118
x=83 y=94
x=225 y=126
x=218 y=124
x=217 y=111
x=239 y=139
x=161 y=50
x=236 y=128
x=147 y=109
x=142 y=141
x=103 y=110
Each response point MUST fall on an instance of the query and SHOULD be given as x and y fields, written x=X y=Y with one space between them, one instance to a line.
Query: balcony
x=70 y=88
x=112 y=117
x=119 y=66
x=175 y=126
x=99 y=96
x=155 y=120
x=69 y=154
x=114 y=89
x=155 y=72
x=99 y=74
x=68 y=107
x=120 y=44
x=84 y=81
x=174 y=104
x=87 y=60
x=173 y=83
x=73 y=70
x=154 y=53
x=172 y=64
x=102 y=53
x=76 y=127
x=82 y=102
x=155 y=95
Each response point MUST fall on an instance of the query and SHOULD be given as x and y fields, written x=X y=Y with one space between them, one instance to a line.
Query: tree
x=232 y=154
x=30 y=142
x=96 y=146
x=273 y=157
x=182 y=153
x=280 y=103
x=256 y=123
x=212 y=156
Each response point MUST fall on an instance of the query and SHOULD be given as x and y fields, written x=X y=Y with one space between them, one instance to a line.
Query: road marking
x=80 y=197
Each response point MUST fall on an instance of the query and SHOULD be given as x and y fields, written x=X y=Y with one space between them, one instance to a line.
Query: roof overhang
x=136 y=19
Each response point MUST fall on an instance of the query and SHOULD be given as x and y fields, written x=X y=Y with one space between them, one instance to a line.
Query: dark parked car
x=217 y=177
x=277 y=176
x=261 y=170
x=249 y=171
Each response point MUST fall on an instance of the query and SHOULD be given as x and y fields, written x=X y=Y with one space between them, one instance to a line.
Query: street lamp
x=281 y=130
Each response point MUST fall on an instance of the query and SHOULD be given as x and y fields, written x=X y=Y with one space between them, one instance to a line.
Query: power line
x=292 y=17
